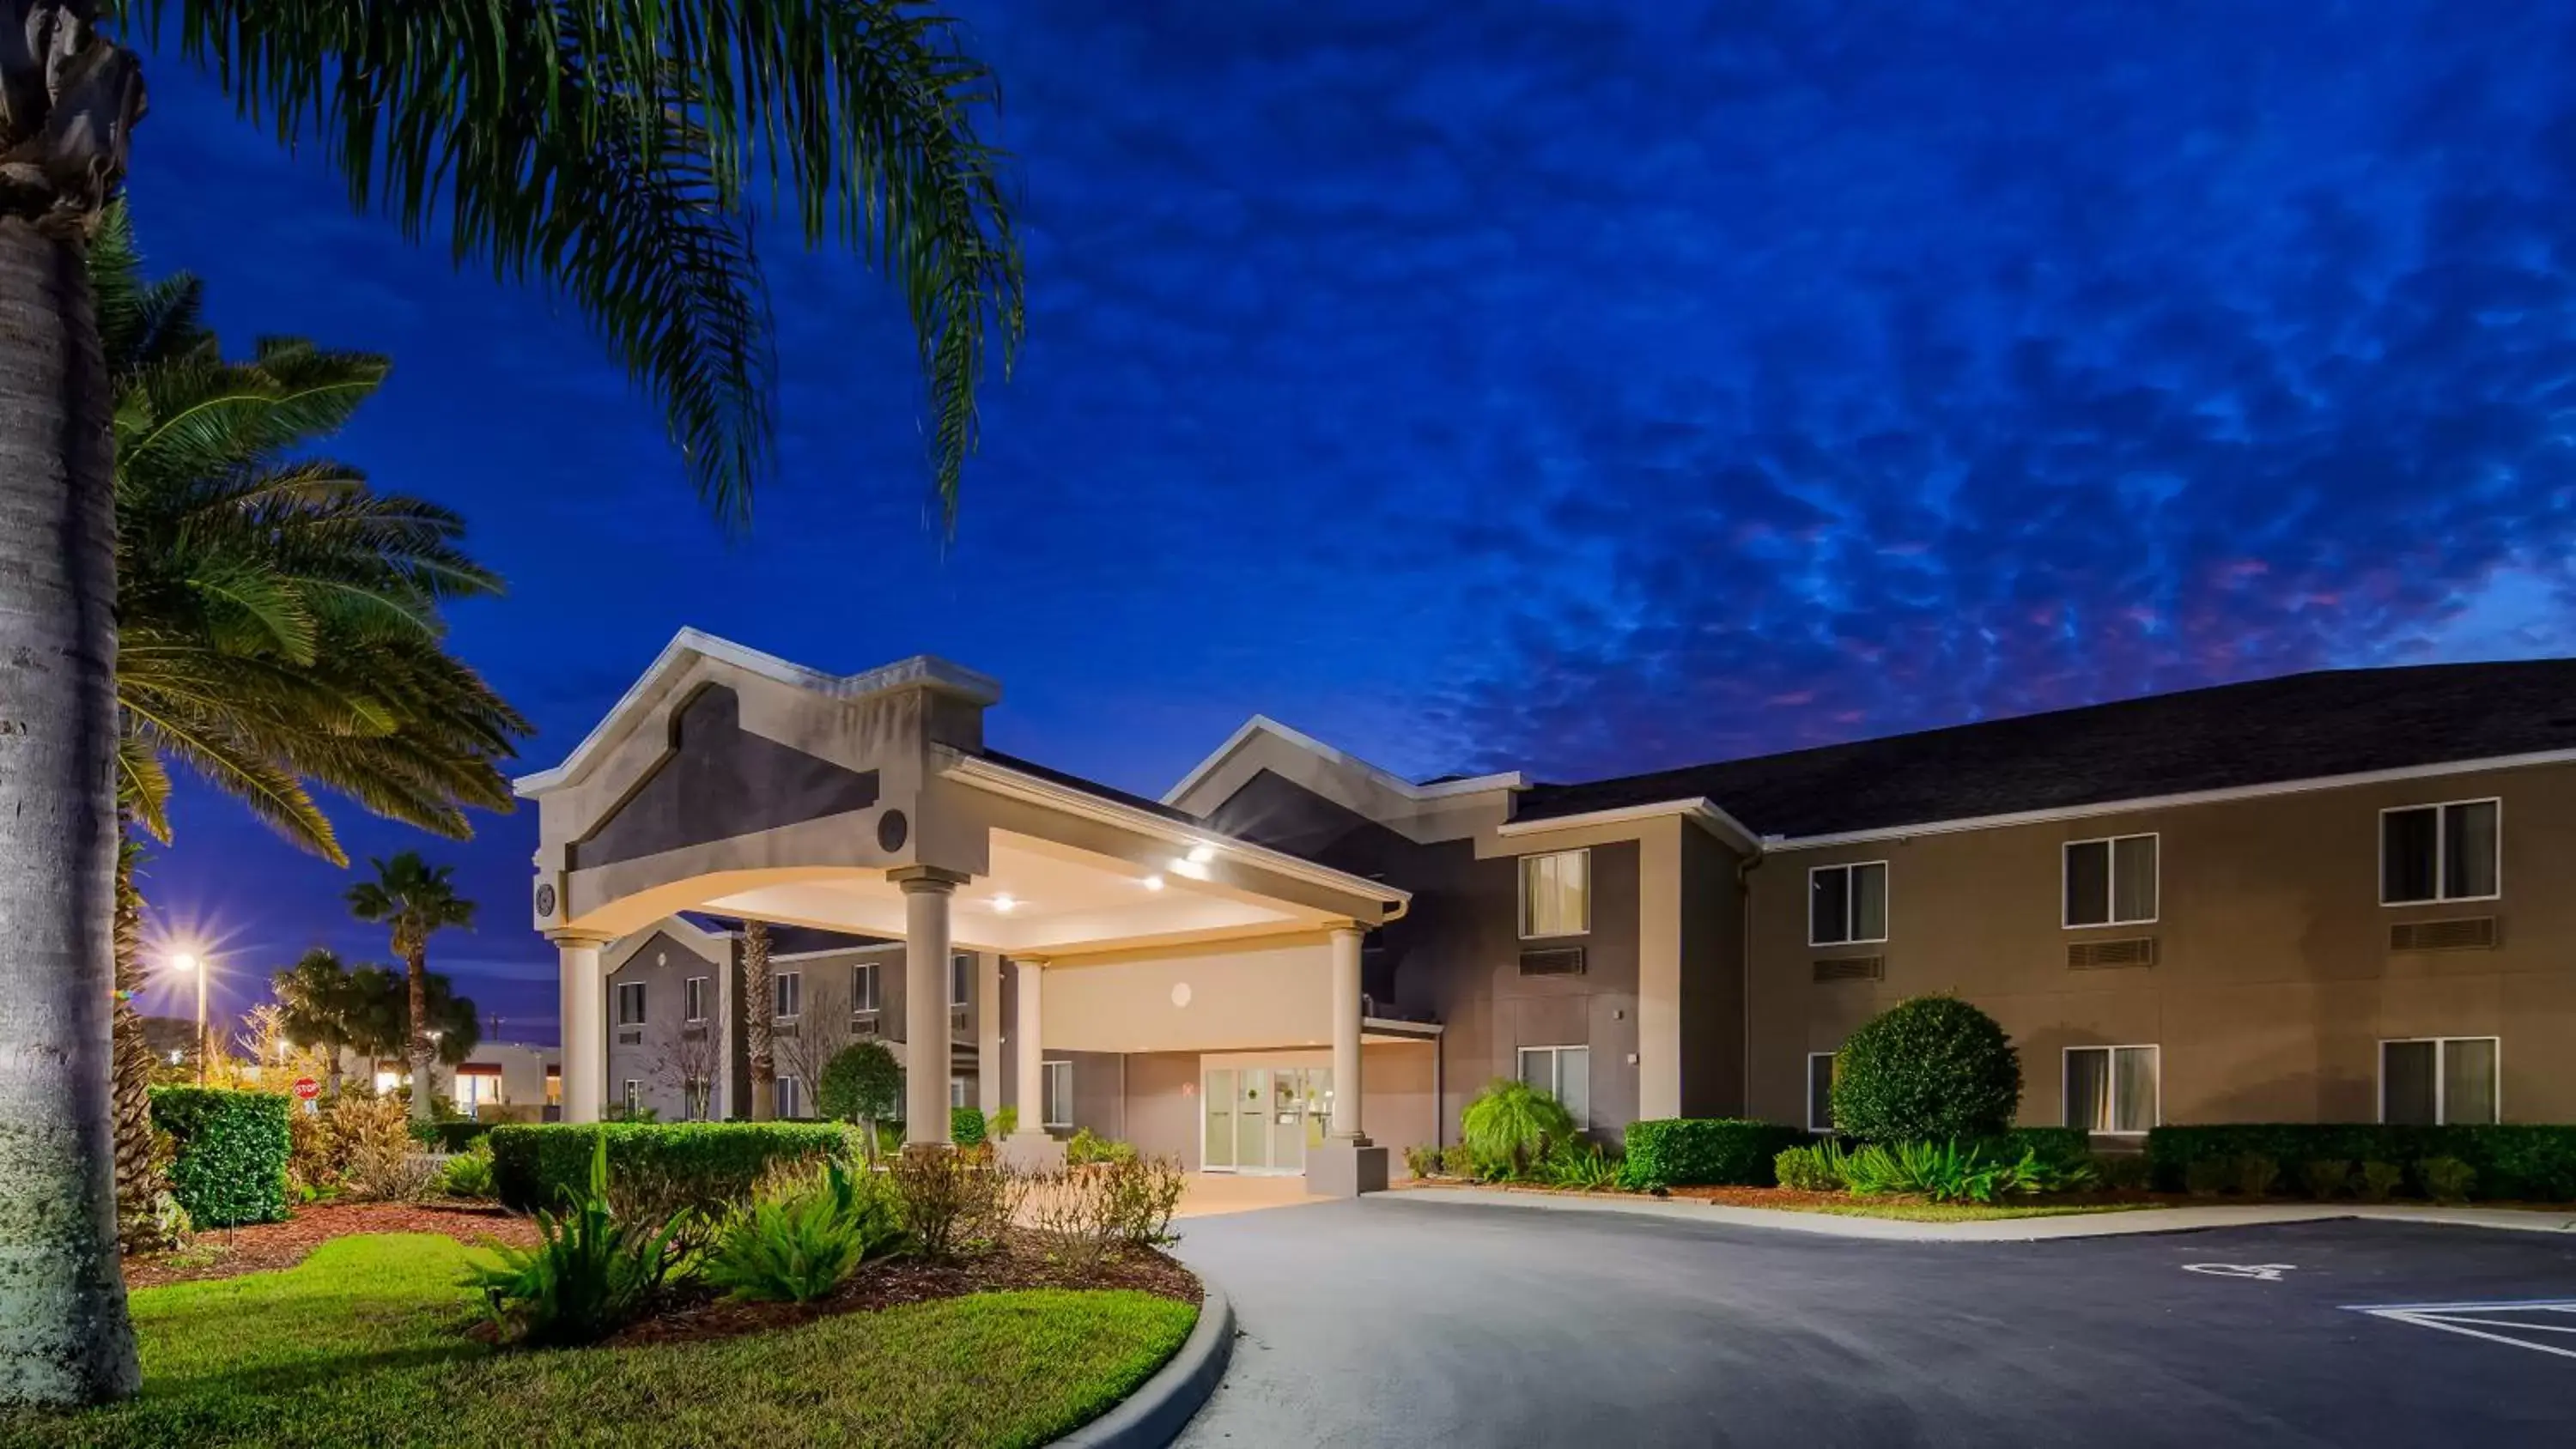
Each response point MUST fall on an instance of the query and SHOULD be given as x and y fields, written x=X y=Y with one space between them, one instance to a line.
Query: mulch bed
x=264 y=1247
x=1020 y=1262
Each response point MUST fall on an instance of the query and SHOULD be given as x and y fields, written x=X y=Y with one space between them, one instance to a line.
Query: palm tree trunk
x=759 y=1006
x=416 y=960
x=133 y=1061
x=335 y=1046
x=64 y=1335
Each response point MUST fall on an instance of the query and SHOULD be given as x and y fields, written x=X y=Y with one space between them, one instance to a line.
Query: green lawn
x=361 y=1344
x=1961 y=1212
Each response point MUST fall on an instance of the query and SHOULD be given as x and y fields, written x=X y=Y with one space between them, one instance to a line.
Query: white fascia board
x=1703 y=812
x=1002 y=780
x=1261 y=724
x=688 y=644
x=2169 y=802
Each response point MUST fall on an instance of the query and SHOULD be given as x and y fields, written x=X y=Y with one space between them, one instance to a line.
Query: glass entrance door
x=1262 y=1119
x=1216 y=1137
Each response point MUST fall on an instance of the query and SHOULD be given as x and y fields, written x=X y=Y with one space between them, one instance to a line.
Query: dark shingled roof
x=1089 y=787
x=2304 y=726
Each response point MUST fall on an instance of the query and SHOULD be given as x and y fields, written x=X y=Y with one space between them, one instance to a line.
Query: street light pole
x=189 y=963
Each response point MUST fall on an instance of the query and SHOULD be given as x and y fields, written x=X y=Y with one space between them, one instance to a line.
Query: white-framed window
x=1556 y=894
x=2446 y=852
x=787 y=990
x=791 y=1097
x=694 y=996
x=630 y=1003
x=956 y=1093
x=863 y=988
x=2114 y=1088
x=2112 y=881
x=1055 y=1101
x=1847 y=904
x=1563 y=1072
x=1820 y=1091
x=961 y=978
x=2433 y=1081
x=634 y=1096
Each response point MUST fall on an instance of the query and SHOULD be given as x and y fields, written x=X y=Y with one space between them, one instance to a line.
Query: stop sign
x=307 y=1088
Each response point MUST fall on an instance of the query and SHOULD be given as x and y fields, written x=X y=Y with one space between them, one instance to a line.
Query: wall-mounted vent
x=694 y=1033
x=2463 y=933
x=630 y=1036
x=1553 y=961
x=1851 y=968
x=864 y=1025
x=2110 y=955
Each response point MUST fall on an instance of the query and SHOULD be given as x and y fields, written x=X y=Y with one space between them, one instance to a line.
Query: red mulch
x=1021 y=1262
x=262 y=1247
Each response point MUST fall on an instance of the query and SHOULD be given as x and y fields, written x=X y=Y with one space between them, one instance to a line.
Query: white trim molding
x=1702 y=812
x=1262 y=724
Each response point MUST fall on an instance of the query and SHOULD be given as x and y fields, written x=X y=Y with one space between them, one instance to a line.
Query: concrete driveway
x=1210 y=1194
x=1387 y=1321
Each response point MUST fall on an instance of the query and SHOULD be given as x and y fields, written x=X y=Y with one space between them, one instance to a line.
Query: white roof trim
x=1264 y=724
x=2168 y=802
x=1704 y=812
x=688 y=644
x=713 y=945
x=1002 y=779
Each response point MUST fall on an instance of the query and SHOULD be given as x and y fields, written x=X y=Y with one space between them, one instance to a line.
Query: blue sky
x=1579 y=388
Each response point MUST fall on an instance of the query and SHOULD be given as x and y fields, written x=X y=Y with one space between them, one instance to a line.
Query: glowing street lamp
x=188 y=962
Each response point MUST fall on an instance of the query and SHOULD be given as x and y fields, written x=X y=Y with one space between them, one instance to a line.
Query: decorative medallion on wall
x=545 y=898
x=1180 y=993
x=892 y=829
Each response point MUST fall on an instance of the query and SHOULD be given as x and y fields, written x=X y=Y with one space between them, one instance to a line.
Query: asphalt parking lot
x=1384 y=1321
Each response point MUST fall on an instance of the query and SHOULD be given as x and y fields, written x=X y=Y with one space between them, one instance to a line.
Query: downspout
x=1744 y=908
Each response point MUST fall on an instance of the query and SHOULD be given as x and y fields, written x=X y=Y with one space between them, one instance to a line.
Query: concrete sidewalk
x=2002 y=1230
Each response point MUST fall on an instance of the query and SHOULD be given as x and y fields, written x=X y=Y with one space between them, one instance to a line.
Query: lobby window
x=2111 y=882
x=2439 y=852
x=2113 y=1088
x=2437 y=1081
x=961 y=978
x=1556 y=894
x=1056 y=1099
x=1847 y=904
x=863 y=988
x=1565 y=1073
x=630 y=1003
x=791 y=1098
x=1820 y=1091
x=694 y=996
x=787 y=990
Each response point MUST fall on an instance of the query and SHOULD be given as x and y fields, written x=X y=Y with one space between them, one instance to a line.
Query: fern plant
x=590 y=1273
x=1583 y=1166
x=1512 y=1127
x=799 y=1247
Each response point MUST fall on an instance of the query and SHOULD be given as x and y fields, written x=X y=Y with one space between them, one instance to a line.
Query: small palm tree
x=416 y=900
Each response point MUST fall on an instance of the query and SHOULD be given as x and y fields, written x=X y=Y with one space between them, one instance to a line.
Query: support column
x=927 y=891
x=583 y=1007
x=1032 y=1148
x=988 y=1033
x=1345 y=1164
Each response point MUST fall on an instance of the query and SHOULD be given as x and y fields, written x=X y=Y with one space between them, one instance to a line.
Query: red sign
x=307 y=1088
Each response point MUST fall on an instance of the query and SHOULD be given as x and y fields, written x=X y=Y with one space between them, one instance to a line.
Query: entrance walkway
x=1210 y=1194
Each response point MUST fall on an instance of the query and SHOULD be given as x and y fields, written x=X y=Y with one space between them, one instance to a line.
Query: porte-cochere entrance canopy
x=732 y=782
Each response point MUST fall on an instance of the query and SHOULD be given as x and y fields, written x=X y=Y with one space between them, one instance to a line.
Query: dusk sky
x=1585 y=389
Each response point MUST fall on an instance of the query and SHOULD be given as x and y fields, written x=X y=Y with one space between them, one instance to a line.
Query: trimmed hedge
x=705 y=1164
x=2059 y=1146
x=450 y=1136
x=1706 y=1151
x=1930 y=1069
x=2513 y=1162
x=232 y=1149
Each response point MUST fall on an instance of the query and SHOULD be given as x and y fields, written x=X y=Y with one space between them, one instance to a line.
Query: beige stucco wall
x=2274 y=983
x=1256 y=995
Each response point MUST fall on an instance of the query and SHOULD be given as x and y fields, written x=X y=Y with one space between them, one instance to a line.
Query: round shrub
x=862 y=1082
x=966 y=1126
x=1931 y=1069
x=1512 y=1126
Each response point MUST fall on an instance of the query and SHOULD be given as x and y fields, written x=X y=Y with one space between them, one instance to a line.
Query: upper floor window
x=961 y=978
x=630 y=1003
x=863 y=987
x=1847 y=904
x=1556 y=893
x=694 y=996
x=2436 y=1081
x=788 y=989
x=2439 y=852
x=2111 y=882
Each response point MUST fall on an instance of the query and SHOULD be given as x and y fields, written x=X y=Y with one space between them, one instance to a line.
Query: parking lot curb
x=1155 y=1414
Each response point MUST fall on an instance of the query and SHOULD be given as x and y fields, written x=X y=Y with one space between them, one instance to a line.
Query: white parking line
x=2475 y=1320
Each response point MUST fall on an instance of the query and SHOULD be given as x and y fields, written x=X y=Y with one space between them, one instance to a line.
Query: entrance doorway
x=1262 y=1119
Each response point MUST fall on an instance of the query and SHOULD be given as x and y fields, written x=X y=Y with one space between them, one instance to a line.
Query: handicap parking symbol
x=2267 y=1272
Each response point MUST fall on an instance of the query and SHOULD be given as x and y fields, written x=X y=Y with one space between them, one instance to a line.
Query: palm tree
x=759 y=1020
x=321 y=1005
x=280 y=620
x=610 y=150
x=417 y=900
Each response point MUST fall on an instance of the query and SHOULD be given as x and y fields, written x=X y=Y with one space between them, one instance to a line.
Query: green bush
x=2036 y=1172
x=2255 y=1173
x=2446 y=1179
x=1705 y=1151
x=2514 y=1162
x=2325 y=1178
x=798 y=1247
x=861 y=1083
x=1582 y=1165
x=1808 y=1169
x=966 y=1126
x=2208 y=1176
x=659 y=1168
x=2065 y=1147
x=1941 y=1171
x=592 y=1271
x=231 y=1149
x=1422 y=1161
x=1458 y=1160
x=452 y=1135
x=1512 y=1127
x=2122 y=1171
x=1003 y=1123
x=1933 y=1069
x=469 y=1173
x=2380 y=1181
x=1088 y=1147
x=952 y=1204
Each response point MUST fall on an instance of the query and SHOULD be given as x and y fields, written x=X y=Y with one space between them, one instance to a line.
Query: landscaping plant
x=1581 y=1165
x=592 y=1271
x=2208 y=1176
x=966 y=1126
x=1089 y=1147
x=2255 y=1174
x=1457 y=1160
x=1933 y=1069
x=230 y=1156
x=2037 y=1173
x=799 y=1245
x=2325 y=1177
x=1670 y=1152
x=951 y=1204
x=2446 y=1179
x=1807 y=1169
x=1512 y=1126
x=2123 y=1171
x=862 y=1083
x=469 y=1173
x=1422 y=1161
x=1003 y=1123
x=2380 y=1181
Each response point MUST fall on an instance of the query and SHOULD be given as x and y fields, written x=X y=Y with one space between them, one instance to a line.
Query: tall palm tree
x=612 y=151
x=759 y=1020
x=416 y=900
x=281 y=620
x=321 y=1006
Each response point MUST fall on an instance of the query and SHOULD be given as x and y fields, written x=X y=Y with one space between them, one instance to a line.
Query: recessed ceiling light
x=1153 y=882
x=1202 y=854
x=1006 y=902
x=1190 y=868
